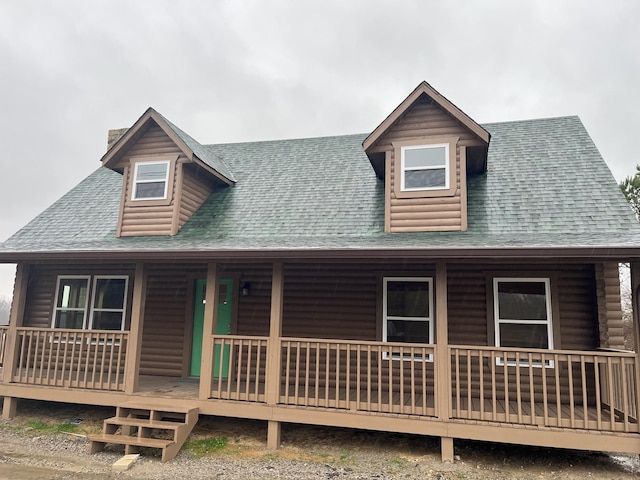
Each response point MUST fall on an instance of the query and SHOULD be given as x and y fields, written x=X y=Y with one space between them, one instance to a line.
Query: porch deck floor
x=172 y=387
x=511 y=412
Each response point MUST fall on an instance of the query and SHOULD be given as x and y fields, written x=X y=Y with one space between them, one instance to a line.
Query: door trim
x=189 y=313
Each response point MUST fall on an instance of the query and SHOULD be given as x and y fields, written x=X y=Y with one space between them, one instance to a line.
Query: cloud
x=251 y=70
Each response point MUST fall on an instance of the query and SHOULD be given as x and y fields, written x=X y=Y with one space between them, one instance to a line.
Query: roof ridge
x=294 y=139
x=528 y=120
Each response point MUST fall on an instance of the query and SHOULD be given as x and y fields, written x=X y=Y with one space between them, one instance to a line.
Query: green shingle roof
x=206 y=155
x=546 y=187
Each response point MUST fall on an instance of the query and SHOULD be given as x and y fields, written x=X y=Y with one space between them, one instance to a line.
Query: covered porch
x=556 y=397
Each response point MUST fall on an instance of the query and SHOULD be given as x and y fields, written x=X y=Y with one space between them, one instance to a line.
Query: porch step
x=129 y=440
x=139 y=425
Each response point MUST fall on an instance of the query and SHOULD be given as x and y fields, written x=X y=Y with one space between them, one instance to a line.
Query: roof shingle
x=546 y=187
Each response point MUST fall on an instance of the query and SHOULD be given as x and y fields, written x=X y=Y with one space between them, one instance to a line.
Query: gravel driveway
x=307 y=453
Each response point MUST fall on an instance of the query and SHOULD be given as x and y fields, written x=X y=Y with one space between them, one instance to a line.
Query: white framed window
x=107 y=309
x=72 y=300
x=407 y=311
x=150 y=180
x=109 y=303
x=424 y=167
x=522 y=314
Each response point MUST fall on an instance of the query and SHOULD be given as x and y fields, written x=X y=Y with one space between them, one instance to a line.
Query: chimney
x=114 y=136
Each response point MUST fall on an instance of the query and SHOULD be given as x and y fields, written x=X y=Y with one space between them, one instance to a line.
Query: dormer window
x=425 y=167
x=150 y=181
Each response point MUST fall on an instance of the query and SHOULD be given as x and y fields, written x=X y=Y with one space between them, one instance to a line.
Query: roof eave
x=619 y=253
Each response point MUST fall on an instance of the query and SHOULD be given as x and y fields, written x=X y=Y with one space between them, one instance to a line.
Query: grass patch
x=205 y=446
x=400 y=462
x=44 y=428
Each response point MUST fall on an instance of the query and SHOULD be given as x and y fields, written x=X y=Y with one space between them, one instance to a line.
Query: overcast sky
x=252 y=70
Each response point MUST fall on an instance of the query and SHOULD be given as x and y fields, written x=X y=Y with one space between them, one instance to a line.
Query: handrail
x=592 y=390
x=385 y=377
x=617 y=353
x=87 y=359
x=239 y=367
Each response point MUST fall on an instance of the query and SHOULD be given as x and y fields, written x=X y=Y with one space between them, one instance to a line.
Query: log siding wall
x=168 y=323
x=42 y=289
x=338 y=301
x=138 y=219
x=188 y=190
x=423 y=120
x=193 y=193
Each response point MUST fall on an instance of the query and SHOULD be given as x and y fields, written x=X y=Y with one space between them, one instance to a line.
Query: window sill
x=434 y=193
x=407 y=357
x=525 y=363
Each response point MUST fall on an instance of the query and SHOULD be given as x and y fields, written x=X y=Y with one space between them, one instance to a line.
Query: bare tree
x=627 y=312
x=5 y=308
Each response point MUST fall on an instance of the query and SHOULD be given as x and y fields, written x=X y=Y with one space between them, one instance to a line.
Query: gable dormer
x=424 y=151
x=166 y=176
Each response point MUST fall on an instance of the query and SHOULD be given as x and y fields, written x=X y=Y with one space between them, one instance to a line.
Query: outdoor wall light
x=245 y=289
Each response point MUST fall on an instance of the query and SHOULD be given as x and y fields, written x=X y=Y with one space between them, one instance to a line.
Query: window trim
x=404 y=168
x=549 y=322
x=451 y=145
x=132 y=170
x=136 y=182
x=87 y=323
x=429 y=318
x=86 y=302
x=124 y=300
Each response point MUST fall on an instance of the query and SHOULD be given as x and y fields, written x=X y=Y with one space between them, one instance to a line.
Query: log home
x=436 y=276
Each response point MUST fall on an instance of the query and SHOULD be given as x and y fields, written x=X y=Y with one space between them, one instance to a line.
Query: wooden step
x=134 y=425
x=129 y=440
x=144 y=423
x=157 y=407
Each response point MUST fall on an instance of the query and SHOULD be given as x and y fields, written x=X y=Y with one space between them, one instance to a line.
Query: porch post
x=443 y=363
x=274 y=358
x=209 y=326
x=134 y=344
x=635 y=304
x=11 y=346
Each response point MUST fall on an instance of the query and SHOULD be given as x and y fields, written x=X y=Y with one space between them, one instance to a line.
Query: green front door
x=223 y=327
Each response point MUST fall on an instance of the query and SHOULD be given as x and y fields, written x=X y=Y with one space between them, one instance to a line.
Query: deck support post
x=134 y=344
x=446 y=449
x=16 y=320
x=208 y=328
x=9 y=407
x=273 y=355
x=273 y=435
x=443 y=378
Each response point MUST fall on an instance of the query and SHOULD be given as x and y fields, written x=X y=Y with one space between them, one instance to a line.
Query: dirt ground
x=33 y=447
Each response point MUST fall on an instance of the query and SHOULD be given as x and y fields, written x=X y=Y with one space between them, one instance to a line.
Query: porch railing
x=239 y=368
x=558 y=388
x=93 y=359
x=358 y=376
